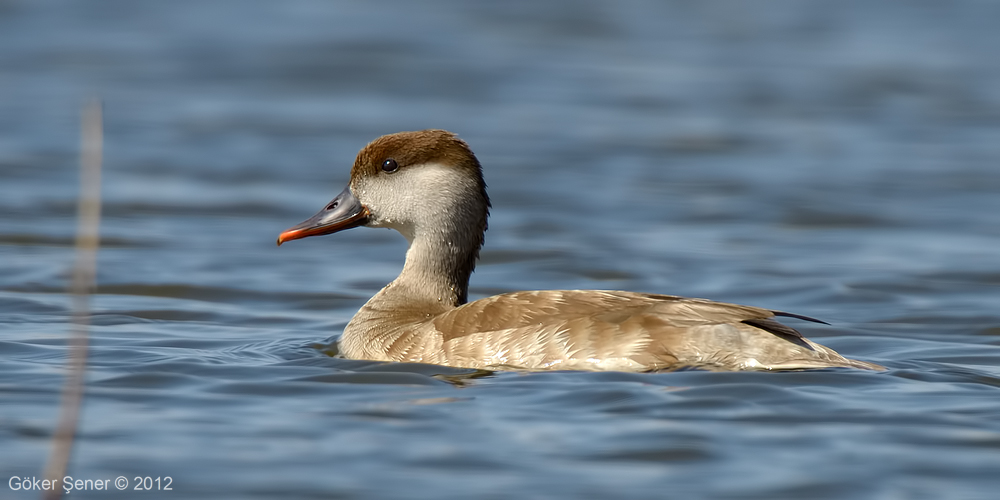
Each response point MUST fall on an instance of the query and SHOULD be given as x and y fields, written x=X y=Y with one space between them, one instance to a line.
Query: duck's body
x=581 y=330
x=428 y=185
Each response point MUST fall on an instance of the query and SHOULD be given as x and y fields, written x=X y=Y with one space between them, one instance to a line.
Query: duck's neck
x=438 y=265
x=436 y=270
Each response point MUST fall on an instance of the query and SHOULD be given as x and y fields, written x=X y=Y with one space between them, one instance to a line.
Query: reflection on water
x=835 y=159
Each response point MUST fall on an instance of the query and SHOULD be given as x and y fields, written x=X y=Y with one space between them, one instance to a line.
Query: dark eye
x=389 y=165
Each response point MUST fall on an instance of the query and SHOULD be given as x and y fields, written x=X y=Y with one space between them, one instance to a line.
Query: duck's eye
x=389 y=165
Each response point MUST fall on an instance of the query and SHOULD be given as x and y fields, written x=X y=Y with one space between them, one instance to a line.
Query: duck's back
x=589 y=330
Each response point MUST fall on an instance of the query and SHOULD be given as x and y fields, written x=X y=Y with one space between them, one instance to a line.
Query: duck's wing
x=612 y=330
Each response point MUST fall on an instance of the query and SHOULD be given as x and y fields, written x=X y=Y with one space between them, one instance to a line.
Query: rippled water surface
x=836 y=159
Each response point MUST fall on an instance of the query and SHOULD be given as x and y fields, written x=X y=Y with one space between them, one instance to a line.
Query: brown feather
x=593 y=329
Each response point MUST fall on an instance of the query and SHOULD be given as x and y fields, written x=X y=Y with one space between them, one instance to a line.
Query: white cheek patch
x=415 y=198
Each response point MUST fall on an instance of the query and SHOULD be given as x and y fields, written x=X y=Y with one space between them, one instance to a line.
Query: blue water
x=836 y=159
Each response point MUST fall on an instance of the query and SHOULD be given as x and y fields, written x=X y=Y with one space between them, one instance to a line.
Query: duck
x=428 y=185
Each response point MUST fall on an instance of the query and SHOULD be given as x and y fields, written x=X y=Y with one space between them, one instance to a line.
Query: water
x=835 y=159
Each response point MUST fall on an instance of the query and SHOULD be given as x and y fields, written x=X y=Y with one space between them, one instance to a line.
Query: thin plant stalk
x=84 y=276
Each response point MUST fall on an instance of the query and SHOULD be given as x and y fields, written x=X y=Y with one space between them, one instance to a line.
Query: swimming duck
x=428 y=185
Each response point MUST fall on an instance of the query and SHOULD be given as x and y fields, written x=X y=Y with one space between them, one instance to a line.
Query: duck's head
x=420 y=183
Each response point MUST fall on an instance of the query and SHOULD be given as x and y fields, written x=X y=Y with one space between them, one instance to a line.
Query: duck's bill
x=344 y=212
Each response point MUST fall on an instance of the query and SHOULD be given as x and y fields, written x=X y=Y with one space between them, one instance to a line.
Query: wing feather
x=589 y=330
x=585 y=327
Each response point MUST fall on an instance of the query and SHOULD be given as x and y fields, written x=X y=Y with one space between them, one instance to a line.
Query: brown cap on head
x=386 y=155
x=414 y=148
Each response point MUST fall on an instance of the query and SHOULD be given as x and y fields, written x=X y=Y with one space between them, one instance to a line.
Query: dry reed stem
x=84 y=275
